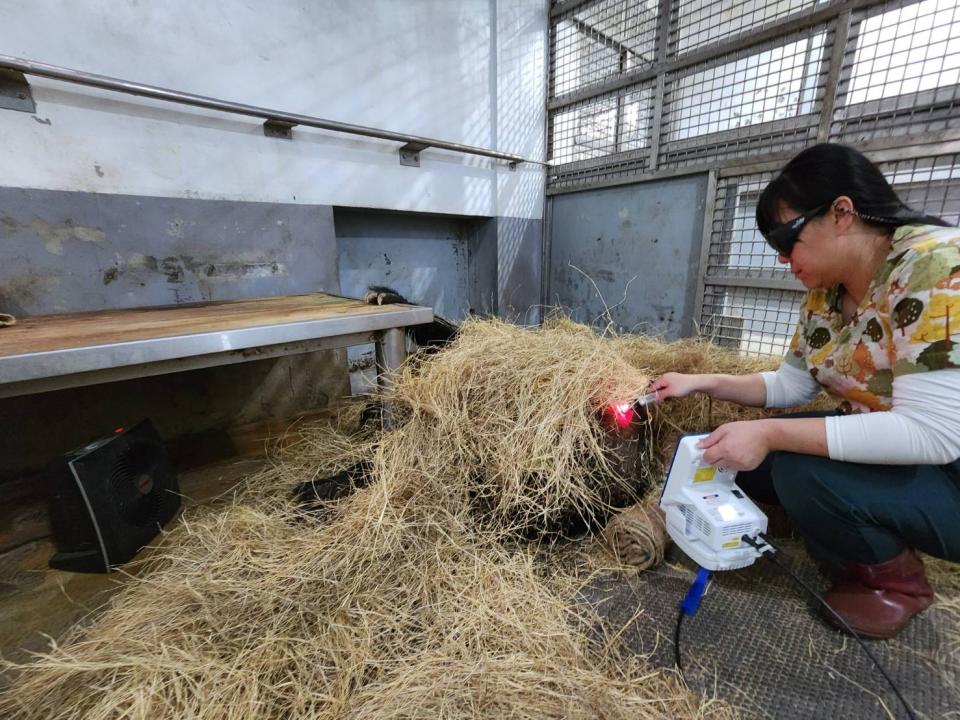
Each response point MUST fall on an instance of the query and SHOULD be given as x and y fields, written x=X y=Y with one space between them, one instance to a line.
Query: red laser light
x=623 y=414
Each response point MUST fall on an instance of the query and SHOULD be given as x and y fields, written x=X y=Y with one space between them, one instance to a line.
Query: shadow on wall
x=520 y=267
x=43 y=426
x=520 y=121
x=447 y=263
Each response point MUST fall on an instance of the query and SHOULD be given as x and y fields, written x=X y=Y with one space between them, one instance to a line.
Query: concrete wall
x=629 y=255
x=422 y=257
x=114 y=201
x=72 y=251
x=520 y=246
x=469 y=71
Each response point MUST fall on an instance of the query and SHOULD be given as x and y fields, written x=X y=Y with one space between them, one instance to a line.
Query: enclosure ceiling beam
x=798 y=21
x=275 y=121
x=888 y=149
x=565 y=7
x=767 y=283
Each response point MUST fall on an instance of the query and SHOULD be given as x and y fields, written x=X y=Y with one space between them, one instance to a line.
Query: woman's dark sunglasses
x=783 y=237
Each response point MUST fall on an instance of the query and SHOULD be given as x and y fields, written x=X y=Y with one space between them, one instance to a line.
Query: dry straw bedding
x=412 y=597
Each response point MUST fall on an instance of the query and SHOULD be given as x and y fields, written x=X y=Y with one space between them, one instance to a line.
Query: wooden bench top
x=41 y=333
x=75 y=344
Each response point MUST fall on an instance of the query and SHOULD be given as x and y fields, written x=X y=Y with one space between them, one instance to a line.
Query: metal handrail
x=412 y=143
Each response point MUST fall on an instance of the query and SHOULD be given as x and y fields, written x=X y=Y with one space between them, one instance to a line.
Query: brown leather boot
x=878 y=600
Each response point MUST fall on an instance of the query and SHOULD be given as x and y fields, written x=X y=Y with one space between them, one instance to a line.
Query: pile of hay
x=694 y=413
x=254 y=614
x=514 y=418
x=412 y=597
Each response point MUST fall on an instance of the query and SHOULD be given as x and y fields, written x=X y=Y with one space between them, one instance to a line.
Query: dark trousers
x=862 y=513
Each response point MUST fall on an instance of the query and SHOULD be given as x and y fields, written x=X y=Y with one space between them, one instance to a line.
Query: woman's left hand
x=737 y=445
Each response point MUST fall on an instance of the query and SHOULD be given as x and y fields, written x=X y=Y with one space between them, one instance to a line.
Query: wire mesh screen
x=760 y=99
x=603 y=137
x=736 y=247
x=596 y=41
x=610 y=124
x=756 y=321
x=695 y=23
x=931 y=184
x=898 y=74
x=901 y=72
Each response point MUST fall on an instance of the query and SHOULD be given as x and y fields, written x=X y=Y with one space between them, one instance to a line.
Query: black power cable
x=676 y=645
x=770 y=551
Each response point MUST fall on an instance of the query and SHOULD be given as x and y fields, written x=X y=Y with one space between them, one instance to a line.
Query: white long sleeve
x=789 y=386
x=923 y=427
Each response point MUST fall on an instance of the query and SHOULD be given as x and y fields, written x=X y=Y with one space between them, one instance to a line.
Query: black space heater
x=109 y=498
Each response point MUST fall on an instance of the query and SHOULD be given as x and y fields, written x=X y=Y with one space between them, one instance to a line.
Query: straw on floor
x=415 y=596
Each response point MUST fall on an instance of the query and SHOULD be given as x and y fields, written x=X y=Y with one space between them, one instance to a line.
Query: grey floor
x=757 y=642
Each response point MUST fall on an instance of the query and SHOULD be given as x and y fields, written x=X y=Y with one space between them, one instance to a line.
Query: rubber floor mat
x=757 y=642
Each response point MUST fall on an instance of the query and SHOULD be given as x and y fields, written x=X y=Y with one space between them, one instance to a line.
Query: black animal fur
x=430 y=335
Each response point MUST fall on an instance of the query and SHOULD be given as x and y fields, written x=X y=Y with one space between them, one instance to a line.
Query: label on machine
x=705 y=474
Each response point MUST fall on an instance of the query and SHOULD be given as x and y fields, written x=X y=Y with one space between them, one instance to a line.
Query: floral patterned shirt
x=907 y=322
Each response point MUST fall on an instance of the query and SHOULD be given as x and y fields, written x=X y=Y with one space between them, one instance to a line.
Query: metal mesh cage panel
x=931 y=184
x=596 y=41
x=695 y=23
x=901 y=72
x=760 y=99
x=602 y=126
x=756 y=321
x=736 y=247
x=898 y=74
x=620 y=111
x=602 y=137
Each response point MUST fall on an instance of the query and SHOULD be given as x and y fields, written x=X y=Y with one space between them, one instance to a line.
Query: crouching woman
x=878 y=479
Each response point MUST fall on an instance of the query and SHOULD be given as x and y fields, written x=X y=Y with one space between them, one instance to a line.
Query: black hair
x=820 y=174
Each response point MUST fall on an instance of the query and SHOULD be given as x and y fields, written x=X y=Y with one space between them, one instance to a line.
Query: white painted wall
x=469 y=71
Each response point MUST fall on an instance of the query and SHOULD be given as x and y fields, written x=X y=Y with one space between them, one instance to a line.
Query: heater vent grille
x=110 y=498
x=737 y=530
x=695 y=520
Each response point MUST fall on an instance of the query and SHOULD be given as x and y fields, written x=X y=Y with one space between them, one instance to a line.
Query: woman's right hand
x=677 y=385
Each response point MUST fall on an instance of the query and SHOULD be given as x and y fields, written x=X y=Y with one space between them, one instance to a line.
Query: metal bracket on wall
x=410 y=153
x=15 y=92
x=278 y=129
